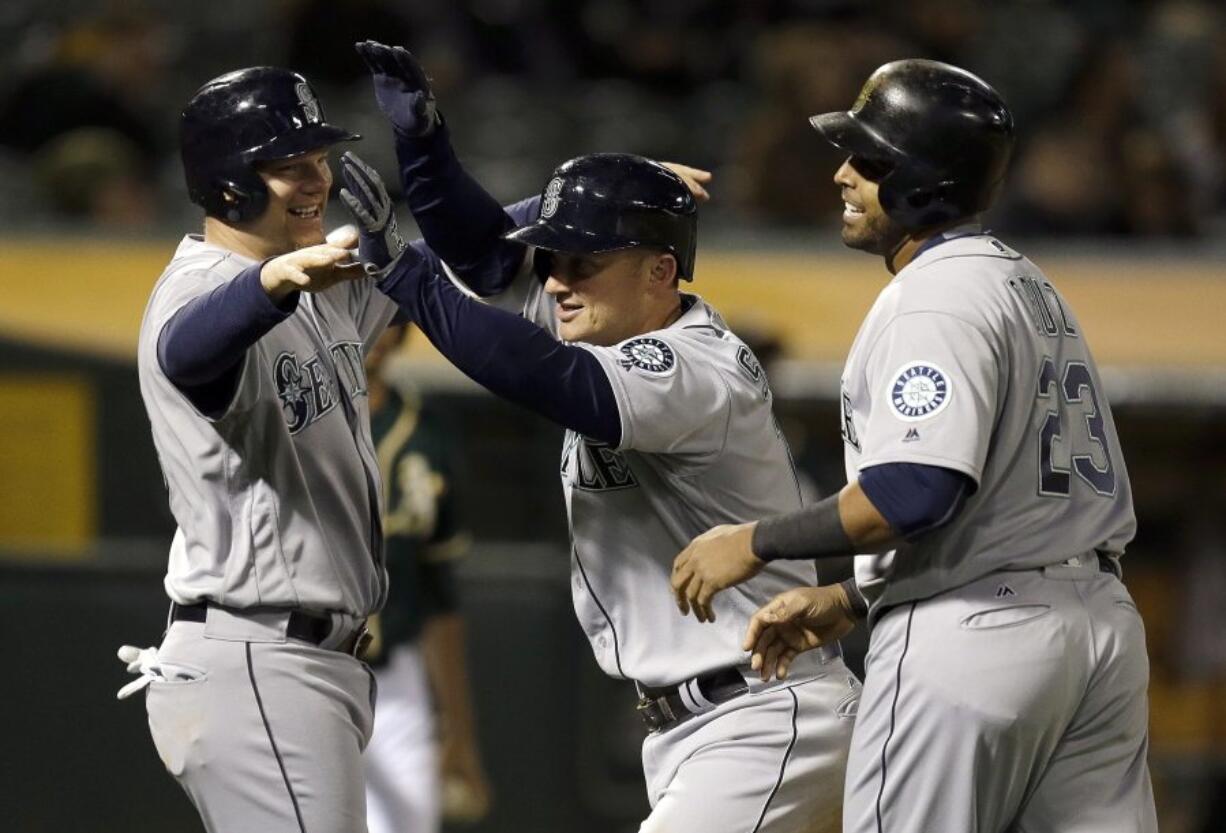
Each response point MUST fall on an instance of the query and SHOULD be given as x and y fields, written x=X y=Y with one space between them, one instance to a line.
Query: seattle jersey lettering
x=594 y=466
x=307 y=391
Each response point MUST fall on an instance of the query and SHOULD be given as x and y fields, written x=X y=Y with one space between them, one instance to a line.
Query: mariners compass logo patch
x=919 y=390
x=306 y=98
x=650 y=354
x=553 y=195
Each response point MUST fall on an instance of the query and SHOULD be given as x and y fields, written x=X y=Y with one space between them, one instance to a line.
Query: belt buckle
x=655 y=712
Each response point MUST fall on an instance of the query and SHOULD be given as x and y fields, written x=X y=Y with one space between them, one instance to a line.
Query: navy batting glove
x=379 y=242
x=401 y=88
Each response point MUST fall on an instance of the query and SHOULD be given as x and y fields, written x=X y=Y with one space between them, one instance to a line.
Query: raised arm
x=509 y=355
x=459 y=221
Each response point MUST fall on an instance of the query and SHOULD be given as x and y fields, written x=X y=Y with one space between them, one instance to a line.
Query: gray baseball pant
x=1016 y=704
x=264 y=733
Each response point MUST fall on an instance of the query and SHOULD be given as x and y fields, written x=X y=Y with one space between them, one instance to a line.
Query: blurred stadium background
x=1118 y=190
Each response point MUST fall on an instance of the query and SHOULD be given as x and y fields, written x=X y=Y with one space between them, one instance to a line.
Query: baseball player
x=418 y=650
x=1006 y=679
x=669 y=429
x=251 y=369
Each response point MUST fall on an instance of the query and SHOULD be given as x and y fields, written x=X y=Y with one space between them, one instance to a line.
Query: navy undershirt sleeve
x=916 y=498
x=525 y=211
x=201 y=347
x=508 y=355
x=460 y=221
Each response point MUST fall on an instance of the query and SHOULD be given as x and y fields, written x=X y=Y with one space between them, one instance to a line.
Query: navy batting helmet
x=940 y=136
x=243 y=117
x=611 y=201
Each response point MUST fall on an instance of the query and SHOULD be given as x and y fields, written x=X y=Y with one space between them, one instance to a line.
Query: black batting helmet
x=243 y=117
x=611 y=201
x=941 y=135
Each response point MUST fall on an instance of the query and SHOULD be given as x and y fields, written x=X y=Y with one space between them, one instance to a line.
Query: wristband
x=857 y=604
x=812 y=532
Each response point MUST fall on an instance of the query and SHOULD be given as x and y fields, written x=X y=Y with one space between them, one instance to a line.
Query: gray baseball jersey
x=970 y=359
x=700 y=446
x=1006 y=676
x=277 y=499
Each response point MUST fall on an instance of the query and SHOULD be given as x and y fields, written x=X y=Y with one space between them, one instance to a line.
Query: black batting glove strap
x=402 y=88
x=812 y=532
x=859 y=604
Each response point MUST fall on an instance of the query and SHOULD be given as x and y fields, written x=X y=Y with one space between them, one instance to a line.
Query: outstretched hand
x=719 y=558
x=401 y=88
x=796 y=621
x=313 y=269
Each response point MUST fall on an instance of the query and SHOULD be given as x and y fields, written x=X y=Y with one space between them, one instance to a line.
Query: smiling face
x=866 y=226
x=297 y=198
x=608 y=297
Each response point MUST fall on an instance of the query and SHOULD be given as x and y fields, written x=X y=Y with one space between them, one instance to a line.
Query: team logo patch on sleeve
x=650 y=354
x=919 y=390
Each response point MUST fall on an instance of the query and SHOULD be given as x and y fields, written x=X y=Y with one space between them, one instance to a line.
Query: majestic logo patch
x=919 y=391
x=912 y=436
x=650 y=354
x=553 y=195
x=310 y=104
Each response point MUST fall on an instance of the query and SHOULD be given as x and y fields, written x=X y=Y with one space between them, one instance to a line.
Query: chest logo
x=650 y=354
x=308 y=390
x=919 y=390
x=591 y=466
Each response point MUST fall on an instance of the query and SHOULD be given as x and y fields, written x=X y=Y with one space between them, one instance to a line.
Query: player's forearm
x=459 y=220
x=840 y=525
x=885 y=506
x=444 y=647
x=506 y=354
x=207 y=338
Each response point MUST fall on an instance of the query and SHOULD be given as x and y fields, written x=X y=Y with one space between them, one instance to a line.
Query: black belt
x=301 y=625
x=660 y=708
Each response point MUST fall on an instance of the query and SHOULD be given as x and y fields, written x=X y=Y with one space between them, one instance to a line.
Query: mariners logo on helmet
x=650 y=354
x=919 y=391
x=310 y=104
x=553 y=194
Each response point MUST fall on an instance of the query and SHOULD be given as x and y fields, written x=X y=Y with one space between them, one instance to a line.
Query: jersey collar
x=695 y=313
x=961 y=241
x=964 y=230
x=194 y=244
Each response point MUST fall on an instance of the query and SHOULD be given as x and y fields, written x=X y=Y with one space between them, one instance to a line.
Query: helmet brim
x=847 y=133
x=567 y=239
x=309 y=138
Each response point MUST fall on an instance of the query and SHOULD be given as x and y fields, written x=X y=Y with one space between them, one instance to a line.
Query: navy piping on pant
x=893 y=713
x=782 y=766
x=275 y=751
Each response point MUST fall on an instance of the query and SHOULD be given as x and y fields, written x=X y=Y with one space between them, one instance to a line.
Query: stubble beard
x=877 y=234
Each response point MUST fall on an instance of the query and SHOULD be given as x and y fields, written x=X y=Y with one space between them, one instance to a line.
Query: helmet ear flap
x=241 y=202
